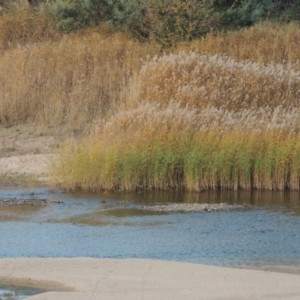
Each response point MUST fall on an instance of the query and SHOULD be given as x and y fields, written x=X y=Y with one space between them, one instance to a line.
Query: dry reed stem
x=263 y=43
x=215 y=80
x=24 y=26
x=70 y=81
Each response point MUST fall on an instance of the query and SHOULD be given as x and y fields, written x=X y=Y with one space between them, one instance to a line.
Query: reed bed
x=23 y=26
x=66 y=82
x=263 y=43
x=215 y=80
x=194 y=122
x=151 y=147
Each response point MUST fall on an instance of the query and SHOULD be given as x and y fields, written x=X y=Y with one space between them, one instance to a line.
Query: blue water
x=89 y=228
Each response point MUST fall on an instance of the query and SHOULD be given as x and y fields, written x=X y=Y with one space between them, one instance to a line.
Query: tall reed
x=195 y=122
x=24 y=25
x=215 y=80
x=263 y=43
x=67 y=82
x=151 y=147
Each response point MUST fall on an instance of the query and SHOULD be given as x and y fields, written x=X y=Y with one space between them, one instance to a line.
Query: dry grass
x=66 y=82
x=23 y=26
x=50 y=78
x=262 y=43
x=215 y=80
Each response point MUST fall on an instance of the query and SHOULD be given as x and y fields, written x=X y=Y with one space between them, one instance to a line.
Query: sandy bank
x=35 y=164
x=27 y=151
x=130 y=279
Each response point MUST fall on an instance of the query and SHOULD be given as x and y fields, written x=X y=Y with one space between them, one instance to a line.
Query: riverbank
x=89 y=278
x=27 y=153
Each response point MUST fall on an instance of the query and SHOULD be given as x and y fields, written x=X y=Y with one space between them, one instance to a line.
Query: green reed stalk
x=207 y=160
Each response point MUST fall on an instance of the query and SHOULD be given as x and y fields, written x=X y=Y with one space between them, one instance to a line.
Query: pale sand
x=35 y=164
x=135 y=279
x=28 y=151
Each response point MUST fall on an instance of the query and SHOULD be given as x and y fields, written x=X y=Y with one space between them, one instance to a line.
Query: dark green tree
x=75 y=14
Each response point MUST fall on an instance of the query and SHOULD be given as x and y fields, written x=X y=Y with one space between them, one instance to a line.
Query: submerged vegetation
x=183 y=105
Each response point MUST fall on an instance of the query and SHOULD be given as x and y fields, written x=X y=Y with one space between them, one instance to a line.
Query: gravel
x=194 y=208
x=30 y=202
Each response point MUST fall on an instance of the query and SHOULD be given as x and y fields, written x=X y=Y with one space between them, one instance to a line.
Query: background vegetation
x=180 y=94
x=164 y=21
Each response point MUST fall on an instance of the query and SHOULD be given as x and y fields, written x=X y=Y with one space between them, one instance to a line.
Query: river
x=109 y=225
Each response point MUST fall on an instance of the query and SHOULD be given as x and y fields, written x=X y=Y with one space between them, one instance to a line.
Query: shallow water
x=16 y=293
x=110 y=226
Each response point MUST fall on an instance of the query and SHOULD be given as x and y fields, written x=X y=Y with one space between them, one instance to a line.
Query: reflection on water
x=290 y=199
x=110 y=225
x=287 y=199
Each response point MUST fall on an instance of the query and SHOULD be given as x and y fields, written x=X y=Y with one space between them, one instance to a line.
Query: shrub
x=130 y=16
x=125 y=15
x=180 y=20
x=170 y=21
x=75 y=14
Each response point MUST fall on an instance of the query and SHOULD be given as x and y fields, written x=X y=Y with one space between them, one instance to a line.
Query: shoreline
x=288 y=269
x=130 y=279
